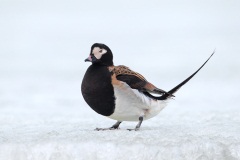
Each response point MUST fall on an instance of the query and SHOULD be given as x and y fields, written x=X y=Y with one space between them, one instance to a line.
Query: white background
x=43 y=45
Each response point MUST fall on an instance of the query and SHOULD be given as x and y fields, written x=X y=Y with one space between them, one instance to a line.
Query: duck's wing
x=135 y=80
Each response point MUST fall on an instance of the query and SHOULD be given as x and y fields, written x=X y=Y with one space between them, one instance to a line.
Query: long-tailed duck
x=119 y=93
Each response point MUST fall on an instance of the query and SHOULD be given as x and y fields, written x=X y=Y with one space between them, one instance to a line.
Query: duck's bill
x=89 y=59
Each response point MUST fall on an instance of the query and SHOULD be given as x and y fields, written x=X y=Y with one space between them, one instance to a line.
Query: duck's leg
x=115 y=126
x=138 y=125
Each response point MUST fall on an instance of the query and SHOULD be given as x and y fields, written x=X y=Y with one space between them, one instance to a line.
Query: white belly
x=130 y=104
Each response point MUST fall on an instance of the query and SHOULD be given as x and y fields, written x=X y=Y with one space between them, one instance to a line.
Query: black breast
x=97 y=90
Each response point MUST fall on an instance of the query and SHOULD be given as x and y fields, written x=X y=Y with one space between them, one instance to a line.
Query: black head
x=100 y=54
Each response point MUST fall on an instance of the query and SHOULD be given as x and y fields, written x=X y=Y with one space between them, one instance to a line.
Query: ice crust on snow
x=67 y=132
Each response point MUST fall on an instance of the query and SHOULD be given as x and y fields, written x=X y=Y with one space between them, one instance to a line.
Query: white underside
x=131 y=104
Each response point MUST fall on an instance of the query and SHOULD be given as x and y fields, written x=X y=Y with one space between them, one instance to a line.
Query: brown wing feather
x=123 y=70
x=134 y=79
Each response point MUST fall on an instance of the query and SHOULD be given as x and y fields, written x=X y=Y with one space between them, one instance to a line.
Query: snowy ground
x=42 y=47
x=51 y=121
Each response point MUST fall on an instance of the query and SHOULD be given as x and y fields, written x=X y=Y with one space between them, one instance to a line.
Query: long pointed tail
x=175 y=89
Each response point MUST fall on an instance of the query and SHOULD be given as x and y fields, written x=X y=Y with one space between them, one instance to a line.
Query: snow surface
x=51 y=121
x=42 y=47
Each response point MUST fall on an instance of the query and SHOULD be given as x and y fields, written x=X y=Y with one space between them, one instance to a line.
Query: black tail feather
x=175 y=89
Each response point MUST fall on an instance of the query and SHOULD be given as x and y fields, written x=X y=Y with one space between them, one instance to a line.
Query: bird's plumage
x=98 y=91
x=119 y=92
x=135 y=80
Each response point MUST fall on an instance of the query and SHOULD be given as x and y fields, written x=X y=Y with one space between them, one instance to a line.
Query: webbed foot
x=115 y=126
x=138 y=125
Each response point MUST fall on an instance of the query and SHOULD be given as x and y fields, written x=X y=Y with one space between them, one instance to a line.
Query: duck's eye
x=100 y=51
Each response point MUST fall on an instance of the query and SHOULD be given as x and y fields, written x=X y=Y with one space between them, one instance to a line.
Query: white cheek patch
x=98 y=52
x=104 y=51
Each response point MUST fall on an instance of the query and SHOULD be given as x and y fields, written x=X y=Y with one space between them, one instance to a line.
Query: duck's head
x=100 y=54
